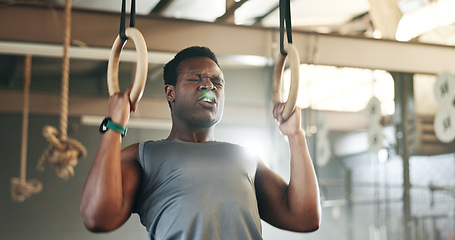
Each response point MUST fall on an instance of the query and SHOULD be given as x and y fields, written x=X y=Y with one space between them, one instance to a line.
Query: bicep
x=271 y=194
x=131 y=178
x=111 y=193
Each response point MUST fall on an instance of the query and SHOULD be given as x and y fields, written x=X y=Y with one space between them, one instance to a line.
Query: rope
x=63 y=153
x=22 y=189
x=65 y=73
x=27 y=77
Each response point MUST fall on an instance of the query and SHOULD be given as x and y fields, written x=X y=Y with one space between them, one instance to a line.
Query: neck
x=191 y=135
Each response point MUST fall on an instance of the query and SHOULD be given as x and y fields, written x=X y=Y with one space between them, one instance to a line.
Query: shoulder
x=131 y=153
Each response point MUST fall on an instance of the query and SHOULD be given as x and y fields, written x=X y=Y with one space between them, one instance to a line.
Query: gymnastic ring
x=294 y=61
x=141 y=66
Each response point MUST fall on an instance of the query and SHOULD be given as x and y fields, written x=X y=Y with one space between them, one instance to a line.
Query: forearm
x=102 y=196
x=303 y=189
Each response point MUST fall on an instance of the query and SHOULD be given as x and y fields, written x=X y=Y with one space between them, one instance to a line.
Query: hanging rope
x=65 y=73
x=21 y=188
x=63 y=153
x=286 y=50
x=27 y=80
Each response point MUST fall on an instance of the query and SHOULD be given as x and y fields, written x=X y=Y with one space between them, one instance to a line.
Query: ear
x=170 y=93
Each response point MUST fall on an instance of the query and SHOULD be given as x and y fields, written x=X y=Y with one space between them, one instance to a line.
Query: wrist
x=297 y=134
x=109 y=124
x=118 y=118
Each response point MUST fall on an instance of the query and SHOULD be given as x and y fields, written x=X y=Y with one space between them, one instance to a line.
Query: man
x=189 y=186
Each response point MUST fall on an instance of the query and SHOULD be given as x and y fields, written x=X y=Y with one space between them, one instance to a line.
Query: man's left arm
x=294 y=206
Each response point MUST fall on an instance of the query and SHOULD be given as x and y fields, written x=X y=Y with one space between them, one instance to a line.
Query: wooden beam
x=99 y=29
x=260 y=18
x=385 y=16
x=160 y=6
x=230 y=11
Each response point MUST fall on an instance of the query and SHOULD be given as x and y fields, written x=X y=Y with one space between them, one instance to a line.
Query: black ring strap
x=285 y=16
x=122 y=19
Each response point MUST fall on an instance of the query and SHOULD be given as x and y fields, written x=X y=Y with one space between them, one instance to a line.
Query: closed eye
x=218 y=84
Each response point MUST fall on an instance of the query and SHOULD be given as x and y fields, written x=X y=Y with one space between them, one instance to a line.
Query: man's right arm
x=110 y=190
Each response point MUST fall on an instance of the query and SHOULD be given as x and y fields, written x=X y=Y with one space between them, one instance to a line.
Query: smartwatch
x=109 y=124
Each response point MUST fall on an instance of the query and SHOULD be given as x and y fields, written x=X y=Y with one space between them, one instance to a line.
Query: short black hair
x=170 y=69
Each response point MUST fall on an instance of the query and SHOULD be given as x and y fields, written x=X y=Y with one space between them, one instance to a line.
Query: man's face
x=198 y=96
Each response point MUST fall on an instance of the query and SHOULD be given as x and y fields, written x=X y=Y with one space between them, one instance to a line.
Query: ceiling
x=365 y=18
x=305 y=13
x=348 y=17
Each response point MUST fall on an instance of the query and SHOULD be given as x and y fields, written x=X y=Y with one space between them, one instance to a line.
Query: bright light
x=253 y=148
x=256 y=149
x=427 y=18
x=342 y=89
x=383 y=155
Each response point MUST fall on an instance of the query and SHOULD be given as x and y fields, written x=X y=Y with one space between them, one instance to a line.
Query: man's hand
x=292 y=125
x=120 y=107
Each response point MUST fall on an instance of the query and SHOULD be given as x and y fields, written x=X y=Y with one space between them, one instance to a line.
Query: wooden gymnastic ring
x=141 y=66
x=294 y=61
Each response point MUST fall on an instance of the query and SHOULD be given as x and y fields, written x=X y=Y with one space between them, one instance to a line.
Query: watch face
x=103 y=127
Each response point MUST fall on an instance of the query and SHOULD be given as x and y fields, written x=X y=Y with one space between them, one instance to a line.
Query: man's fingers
x=127 y=93
x=278 y=111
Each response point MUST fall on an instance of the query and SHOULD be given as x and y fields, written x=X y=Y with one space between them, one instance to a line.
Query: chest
x=203 y=171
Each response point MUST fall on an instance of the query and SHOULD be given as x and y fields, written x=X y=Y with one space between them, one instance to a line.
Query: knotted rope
x=63 y=153
x=20 y=187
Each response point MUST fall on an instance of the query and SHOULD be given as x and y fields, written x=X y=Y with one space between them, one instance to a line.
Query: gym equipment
x=21 y=189
x=286 y=50
x=444 y=91
x=375 y=135
x=142 y=57
x=63 y=153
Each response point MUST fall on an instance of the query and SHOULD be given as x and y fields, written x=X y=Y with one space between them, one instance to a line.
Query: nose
x=205 y=84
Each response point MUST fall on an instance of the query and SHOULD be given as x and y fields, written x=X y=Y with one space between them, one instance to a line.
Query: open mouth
x=208 y=97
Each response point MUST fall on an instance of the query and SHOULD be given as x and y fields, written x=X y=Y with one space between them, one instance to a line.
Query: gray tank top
x=197 y=191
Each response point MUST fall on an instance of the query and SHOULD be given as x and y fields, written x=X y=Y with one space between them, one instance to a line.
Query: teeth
x=208 y=97
x=205 y=99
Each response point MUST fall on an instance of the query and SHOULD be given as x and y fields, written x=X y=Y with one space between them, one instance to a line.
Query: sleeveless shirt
x=192 y=191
